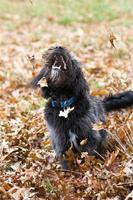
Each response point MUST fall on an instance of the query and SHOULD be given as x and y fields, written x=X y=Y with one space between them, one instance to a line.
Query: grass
x=67 y=12
x=120 y=53
x=36 y=36
x=48 y=187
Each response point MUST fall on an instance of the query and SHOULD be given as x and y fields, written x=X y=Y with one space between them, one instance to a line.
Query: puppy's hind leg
x=96 y=141
x=101 y=141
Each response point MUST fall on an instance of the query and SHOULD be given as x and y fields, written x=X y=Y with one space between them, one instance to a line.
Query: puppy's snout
x=58 y=47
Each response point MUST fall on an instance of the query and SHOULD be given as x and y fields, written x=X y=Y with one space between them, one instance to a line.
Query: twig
x=129 y=183
x=99 y=155
x=67 y=170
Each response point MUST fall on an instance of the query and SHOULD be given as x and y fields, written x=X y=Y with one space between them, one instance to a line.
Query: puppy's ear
x=36 y=79
x=76 y=65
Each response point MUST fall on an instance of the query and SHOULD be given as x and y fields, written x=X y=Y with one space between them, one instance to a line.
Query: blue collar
x=64 y=103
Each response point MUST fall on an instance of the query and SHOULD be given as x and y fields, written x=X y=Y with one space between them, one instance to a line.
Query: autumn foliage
x=28 y=167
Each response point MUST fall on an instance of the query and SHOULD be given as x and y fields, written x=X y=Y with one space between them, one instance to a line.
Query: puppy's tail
x=118 y=101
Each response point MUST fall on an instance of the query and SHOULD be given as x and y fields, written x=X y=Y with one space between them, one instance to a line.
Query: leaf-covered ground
x=28 y=167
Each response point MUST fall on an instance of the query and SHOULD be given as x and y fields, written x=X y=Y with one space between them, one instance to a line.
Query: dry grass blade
x=116 y=138
x=99 y=155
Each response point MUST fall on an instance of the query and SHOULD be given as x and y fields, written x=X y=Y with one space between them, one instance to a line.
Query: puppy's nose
x=58 y=47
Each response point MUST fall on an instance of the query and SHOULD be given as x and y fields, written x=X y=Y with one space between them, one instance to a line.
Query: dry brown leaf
x=100 y=92
x=7 y=186
x=83 y=142
x=112 y=38
x=33 y=73
x=110 y=160
x=121 y=134
x=43 y=82
x=98 y=126
x=51 y=18
x=33 y=155
x=46 y=142
x=32 y=60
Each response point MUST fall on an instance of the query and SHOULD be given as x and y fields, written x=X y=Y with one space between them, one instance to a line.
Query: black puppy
x=70 y=111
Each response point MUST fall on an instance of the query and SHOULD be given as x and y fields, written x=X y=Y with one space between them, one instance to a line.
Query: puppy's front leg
x=60 y=145
x=63 y=161
x=61 y=157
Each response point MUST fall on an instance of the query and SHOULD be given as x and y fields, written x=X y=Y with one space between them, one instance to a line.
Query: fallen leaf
x=83 y=142
x=7 y=186
x=110 y=160
x=42 y=82
x=112 y=38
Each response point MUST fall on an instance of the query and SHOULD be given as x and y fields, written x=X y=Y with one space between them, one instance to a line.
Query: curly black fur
x=118 y=101
x=65 y=79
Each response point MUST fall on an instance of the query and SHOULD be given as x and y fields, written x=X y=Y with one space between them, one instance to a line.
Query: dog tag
x=65 y=112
